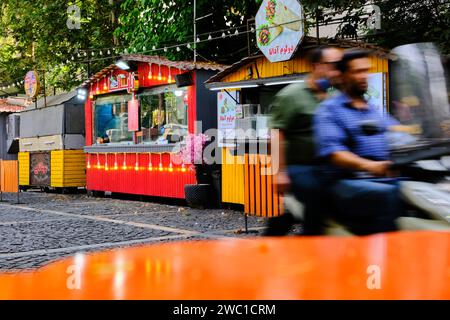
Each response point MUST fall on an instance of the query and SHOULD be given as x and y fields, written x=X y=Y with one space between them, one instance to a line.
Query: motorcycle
x=420 y=156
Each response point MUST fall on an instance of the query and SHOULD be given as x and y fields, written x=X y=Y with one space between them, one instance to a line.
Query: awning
x=274 y=81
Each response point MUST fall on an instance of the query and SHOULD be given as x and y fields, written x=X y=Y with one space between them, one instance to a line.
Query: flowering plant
x=192 y=152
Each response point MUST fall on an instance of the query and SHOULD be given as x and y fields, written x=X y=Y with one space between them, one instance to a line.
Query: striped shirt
x=338 y=126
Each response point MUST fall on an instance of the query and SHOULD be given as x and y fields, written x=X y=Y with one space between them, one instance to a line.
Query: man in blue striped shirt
x=351 y=138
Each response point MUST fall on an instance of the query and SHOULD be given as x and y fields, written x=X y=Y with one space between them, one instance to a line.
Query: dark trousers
x=367 y=206
x=308 y=186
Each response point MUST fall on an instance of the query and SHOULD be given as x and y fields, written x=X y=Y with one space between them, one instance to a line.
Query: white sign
x=376 y=92
x=279 y=28
x=226 y=115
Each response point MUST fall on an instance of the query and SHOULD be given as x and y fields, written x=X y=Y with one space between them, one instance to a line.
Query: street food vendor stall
x=137 y=112
x=51 y=143
x=247 y=88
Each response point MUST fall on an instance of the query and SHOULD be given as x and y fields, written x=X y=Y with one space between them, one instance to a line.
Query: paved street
x=47 y=227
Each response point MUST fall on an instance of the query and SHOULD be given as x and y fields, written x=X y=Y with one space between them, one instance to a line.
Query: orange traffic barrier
x=9 y=181
x=408 y=265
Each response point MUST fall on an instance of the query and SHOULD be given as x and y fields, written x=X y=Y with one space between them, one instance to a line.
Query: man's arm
x=349 y=160
x=282 y=180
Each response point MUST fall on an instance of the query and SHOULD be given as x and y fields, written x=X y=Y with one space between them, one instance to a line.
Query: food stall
x=247 y=88
x=51 y=143
x=138 y=111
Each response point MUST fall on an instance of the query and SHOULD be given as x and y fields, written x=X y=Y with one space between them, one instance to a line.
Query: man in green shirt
x=292 y=114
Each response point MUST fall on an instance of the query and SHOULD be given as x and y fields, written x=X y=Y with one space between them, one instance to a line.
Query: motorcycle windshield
x=419 y=91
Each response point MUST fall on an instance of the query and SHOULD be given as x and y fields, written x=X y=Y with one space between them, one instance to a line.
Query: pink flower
x=192 y=152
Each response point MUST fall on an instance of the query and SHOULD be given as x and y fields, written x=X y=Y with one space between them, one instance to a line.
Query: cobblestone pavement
x=46 y=227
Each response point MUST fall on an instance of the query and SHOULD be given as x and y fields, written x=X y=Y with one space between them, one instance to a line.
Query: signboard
x=376 y=92
x=279 y=28
x=40 y=169
x=226 y=116
x=133 y=115
x=32 y=84
x=118 y=82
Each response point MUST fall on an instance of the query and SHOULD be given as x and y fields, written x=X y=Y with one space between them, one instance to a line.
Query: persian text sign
x=31 y=84
x=279 y=28
x=226 y=115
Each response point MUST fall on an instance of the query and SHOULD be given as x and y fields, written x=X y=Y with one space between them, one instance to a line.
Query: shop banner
x=226 y=116
x=133 y=115
x=279 y=28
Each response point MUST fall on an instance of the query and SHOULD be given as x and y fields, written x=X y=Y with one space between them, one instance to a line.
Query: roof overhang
x=255 y=83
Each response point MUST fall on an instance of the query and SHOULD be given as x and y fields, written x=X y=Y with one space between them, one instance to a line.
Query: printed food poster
x=279 y=28
x=376 y=92
x=226 y=115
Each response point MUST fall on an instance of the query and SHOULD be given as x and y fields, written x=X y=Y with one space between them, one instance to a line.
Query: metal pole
x=195 y=31
x=45 y=93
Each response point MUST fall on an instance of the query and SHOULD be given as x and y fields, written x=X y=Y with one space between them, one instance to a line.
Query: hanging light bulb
x=150 y=165
x=169 y=78
x=178 y=49
x=109 y=52
x=106 y=162
x=160 y=163
x=150 y=75
x=85 y=54
x=98 y=161
x=170 y=167
x=97 y=90
x=223 y=35
x=136 y=166
x=73 y=58
x=237 y=32
x=116 y=167
x=67 y=61
x=153 y=48
x=88 y=161
x=209 y=37
x=183 y=168
x=165 y=49
x=198 y=39
x=124 y=166
x=78 y=55
x=188 y=46
x=159 y=74
x=91 y=96
x=105 y=85
x=101 y=52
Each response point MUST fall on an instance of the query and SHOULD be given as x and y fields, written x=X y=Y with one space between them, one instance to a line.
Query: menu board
x=226 y=115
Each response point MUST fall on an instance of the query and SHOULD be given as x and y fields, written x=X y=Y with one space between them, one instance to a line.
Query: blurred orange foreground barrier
x=387 y=266
x=9 y=181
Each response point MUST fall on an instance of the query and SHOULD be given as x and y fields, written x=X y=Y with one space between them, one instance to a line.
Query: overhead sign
x=32 y=84
x=279 y=28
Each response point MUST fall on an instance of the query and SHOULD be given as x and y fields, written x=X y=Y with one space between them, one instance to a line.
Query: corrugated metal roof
x=56 y=100
x=183 y=65
x=307 y=44
x=6 y=107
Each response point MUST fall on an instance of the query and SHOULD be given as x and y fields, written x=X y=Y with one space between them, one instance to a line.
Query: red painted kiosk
x=137 y=111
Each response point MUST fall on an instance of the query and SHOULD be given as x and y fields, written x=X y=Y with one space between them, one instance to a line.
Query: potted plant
x=192 y=155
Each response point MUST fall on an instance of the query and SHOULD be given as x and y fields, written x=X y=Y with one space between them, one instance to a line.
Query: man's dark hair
x=351 y=55
x=316 y=54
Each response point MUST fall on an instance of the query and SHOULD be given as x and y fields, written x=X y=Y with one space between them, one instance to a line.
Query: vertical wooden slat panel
x=246 y=185
x=269 y=188
x=258 y=185
x=275 y=198
x=263 y=186
x=252 y=184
